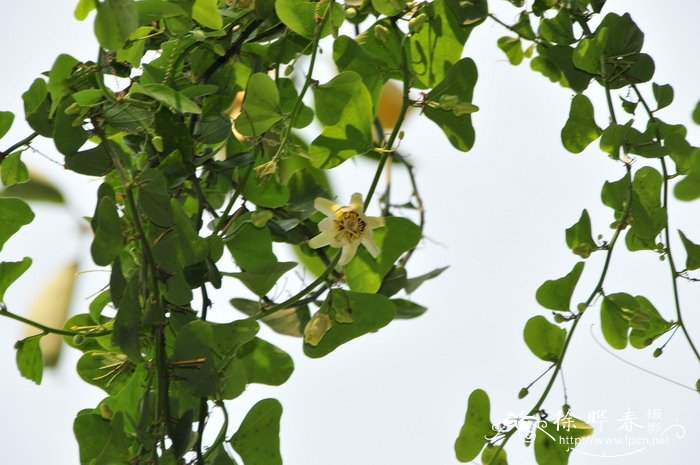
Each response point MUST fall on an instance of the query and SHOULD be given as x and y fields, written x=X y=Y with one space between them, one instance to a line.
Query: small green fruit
x=157 y=142
x=78 y=339
x=523 y=393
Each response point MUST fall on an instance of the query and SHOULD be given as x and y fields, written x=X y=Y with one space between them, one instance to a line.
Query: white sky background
x=496 y=215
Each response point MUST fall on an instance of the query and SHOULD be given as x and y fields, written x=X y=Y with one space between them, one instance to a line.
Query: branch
x=47 y=329
x=19 y=144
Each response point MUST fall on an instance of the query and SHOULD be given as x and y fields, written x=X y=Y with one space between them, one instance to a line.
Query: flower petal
x=348 y=252
x=321 y=240
x=374 y=222
x=326 y=206
x=327 y=225
x=370 y=245
x=356 y=203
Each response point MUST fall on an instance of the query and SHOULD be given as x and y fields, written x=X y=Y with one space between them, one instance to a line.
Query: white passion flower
x=346 y=227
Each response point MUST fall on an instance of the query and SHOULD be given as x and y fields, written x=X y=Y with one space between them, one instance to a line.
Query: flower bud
x=417 y=22
x=381 y=33
x=157 y=142
x=523 y=393
x=350 y=13
x=558 y=318
x=78 y=339
x=73 y=109
x=464 y=108
x=658 y=352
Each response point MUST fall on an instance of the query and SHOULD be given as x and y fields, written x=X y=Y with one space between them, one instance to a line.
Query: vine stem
x=17 y=145
x=667 y=234
x=392 y=139
x=163 y=390
x=47 y=329
x=577 y=318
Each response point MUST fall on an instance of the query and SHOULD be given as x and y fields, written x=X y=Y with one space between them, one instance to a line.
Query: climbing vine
x=191 y=116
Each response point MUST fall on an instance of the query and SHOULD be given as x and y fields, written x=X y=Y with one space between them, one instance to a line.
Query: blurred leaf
x=663 y=94
x=405 y=309
x=302 y=17
x=261 y=106
x=290 y=321
x=10 y=272
x=193 y=359
x=692 y=250
x=580 y=128
x=154 y=198
x=688 y=188
x=36 y=189
x=257 y=439
x=37 y=106
x=114 y=22
x=14 y=213
x=61 y=70
x=13 y=171
x=513 y=48
x=492 y=455
x=414 y=283
x=558 y=29
x=168 y=96
x=555 y=441
x=6 y=119
x=389 y=7
x=29 y=359
x=555 y=294
x=545 y=339
x=476 y=428
x=206 y=13
x=108 y=241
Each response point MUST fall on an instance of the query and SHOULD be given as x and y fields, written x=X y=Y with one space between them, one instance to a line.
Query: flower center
x=349 y=226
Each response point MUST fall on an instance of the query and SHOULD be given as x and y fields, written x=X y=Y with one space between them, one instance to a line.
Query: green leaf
x=13 y=171
x=647 y=325
x=251 y=247
x=389 y=7
x=303 y=17
x=555 y=294
x=476 y=427
x=405 y=309
x=257 y=439
x=615 y=193
x=6 y=119
x=332 y=97
x=36 y=189
x=261 y=107
x=109 y=240
x=93 y=365
x=194 y=345
x=10 y=272
x=364 y=273
x=663 y=93
x=580 y=128
x=696 y=114
x=68 y=135
x=265 y=363
x=14 y=213
x=414 y=283
x=557 y=64
x=83 y=8
x=555 y=441
x=648 y=215
x=351 y=135
x=37 y=106
x=61 y=70
x=615 y=314
x=114 y=22
x=369 y=312
x=513 y=48
x=262 y=279
x=692 y=250
x=206 y=13
x=558 y=30
x=92 y=433
x=439 y=44
x=126 y=333
x=351 y=56
x=688 y=188
x=167 y=96
x=191 y=248
x=29 y=358
x=92 y=162
x=459 y=81
x=579 y=238
x=290 y=321
x=492 y=455
x=545 y=339
x=154 y=198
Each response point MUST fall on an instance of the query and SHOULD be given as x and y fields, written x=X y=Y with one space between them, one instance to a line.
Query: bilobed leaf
x=555 y=441
x=262 y=279
x=167 y=96
x=557 y=64
x=459 y=81
x=555 y=294
x=648 y=215
x=108 y=241
x=303 y=17
x=692 y=250
x=545 y=339
x=688 y=188
x=558 y=30
x=369 y=312
x=92 y=432
x=477 y=426
x=615 y=314
x=10 y=272
x=364 y=273
x=251 y=247
x=580 y=128
x=257 y=439
x=663 y=93
x=647 y=325
x=13 y=171
x=352 y=133
x=206 y=13
x=615 y=193
x=114 y=22
x=265 y=363
x=14 y=213
x=351 y=56
x=579 y=238
x=513 y=48
x=29 y=359
x=332 y=97
x=261 y=107
x=6 y=119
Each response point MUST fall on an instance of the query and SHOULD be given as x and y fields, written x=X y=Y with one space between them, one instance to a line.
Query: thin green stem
x=26 y=141
x=222 y=432
x=223 y=220
x=47 y=329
